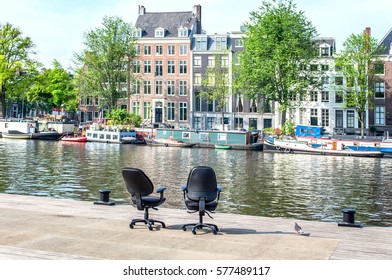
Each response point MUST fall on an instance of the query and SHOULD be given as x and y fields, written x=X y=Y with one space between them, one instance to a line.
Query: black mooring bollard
x=349 y=218
x=104 y=198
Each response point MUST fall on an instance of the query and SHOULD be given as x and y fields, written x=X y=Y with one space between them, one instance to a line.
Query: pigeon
x=298 y=229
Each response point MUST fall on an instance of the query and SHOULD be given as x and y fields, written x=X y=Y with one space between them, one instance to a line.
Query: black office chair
x=201 y=194
x=140 y=187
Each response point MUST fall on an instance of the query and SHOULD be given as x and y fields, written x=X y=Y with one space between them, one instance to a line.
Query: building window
x=239 y=43
x=314 y=96
x=170 y=88
x=183 y=67
x=183 y=49
x=237 y=59
x=158 y=87
x=325 y=80
x=136 y=66
x=160 y=32
x=171 y=69
x=380 y=115
x=146 y=110
x=379 y=88
x=313 y=117
x=89 y=101
x=197 y=79
x=183 y=88
x=147 y=87
x=350 y=119
x=136 y=87
x=197 y=122
x=158 y=50
x=220 y=43
x=339 y=118
x=136 y=50
x=324 y=51
x=197 y=61
x=252 y=123
x=136 y=107
x=147 y=66
x=183 y=111
x=225 y=61
x=147 y=50
x=170 y=111
x=325 y=96
x=339 y=81
x=211 y=61
x=201 y=43
x=338 y=96
x=324 y=67
x=137 y=33
x=324 y=117
x=379 y=69
x=313 y=67
x=158 y=68
x=171 y=50
x=182 y=32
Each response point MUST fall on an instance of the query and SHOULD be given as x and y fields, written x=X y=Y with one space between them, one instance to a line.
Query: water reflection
x=255 y=183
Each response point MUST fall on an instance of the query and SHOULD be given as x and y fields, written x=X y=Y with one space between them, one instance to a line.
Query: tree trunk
x=2 y=102
x=223 y=120
x=283 y=118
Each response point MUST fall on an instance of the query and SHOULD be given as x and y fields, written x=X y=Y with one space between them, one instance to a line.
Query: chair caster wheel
x=150 y=227
x=215 y=232
x=184 y=229
x=131 y=226
x=194 y=231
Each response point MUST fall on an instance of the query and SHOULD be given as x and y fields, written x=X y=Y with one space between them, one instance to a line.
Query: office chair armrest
x=219 y=188
x=184 y=188
x=161 y=189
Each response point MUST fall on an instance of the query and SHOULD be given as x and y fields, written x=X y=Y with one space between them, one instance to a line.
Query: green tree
x=14 y=61
x=54 y=88
x=357 y=65
x=215 y=83
x=279 y=41
x=103 y=67
x=121 y=117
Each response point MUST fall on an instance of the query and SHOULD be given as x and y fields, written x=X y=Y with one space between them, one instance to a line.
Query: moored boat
x=170 y=143
x=223 y=147
x=75 y=139
x=16 y=134
x=333 y=148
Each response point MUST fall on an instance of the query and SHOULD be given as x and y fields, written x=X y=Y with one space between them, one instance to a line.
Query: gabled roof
x=387 y=41
x=170 y=21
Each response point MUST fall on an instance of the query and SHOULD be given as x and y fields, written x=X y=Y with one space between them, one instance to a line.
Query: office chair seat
x=201 y=194
x=140 y=187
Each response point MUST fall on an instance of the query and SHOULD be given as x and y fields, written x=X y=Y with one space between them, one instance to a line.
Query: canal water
x=308 y=187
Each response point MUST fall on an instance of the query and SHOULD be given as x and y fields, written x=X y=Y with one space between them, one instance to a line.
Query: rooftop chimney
x=142 y=10
x=197 y=12
x=368 y=31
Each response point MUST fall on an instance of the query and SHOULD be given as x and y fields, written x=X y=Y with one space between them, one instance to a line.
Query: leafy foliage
x=54 y=88
x=14 y=61
x=279 y=41
x=357 y=65
x=103 y=67
x=215 y=84
x=121 y=117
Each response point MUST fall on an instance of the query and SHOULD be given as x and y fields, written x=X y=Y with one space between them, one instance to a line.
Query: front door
x=158 y=115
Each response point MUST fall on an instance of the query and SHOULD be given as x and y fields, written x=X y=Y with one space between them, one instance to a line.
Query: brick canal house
x=161 y=75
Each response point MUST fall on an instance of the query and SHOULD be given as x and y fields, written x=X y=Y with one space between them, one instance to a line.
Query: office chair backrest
x=137 y=181
x=202 y=183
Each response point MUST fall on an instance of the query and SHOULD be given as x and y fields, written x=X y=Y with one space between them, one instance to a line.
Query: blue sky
x=57 y=26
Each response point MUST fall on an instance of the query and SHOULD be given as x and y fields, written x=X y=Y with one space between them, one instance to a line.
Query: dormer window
x=137 y=33
x=160 y=32
x=325 y=50
x=182 y=32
